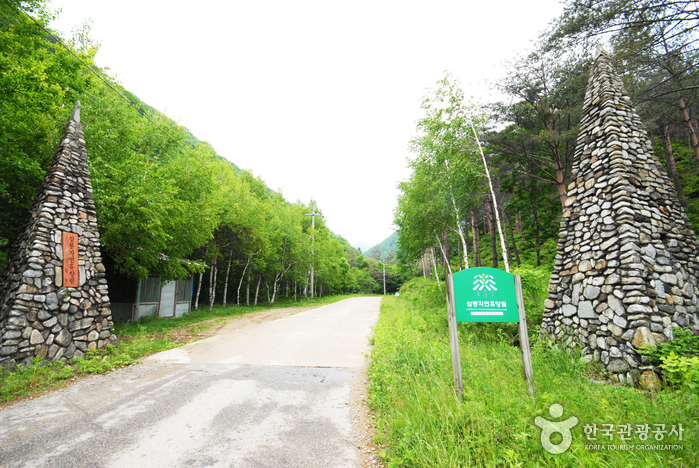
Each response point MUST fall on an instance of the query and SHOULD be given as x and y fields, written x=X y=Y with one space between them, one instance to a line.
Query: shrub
x=678 y=359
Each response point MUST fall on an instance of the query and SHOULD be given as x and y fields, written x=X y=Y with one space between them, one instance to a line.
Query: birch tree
x=442 y=149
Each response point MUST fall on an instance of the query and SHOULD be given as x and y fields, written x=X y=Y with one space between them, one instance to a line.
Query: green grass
x=421 y=423
x=146 y=336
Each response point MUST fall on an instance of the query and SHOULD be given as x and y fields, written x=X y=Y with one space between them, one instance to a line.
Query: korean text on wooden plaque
x=71 y=276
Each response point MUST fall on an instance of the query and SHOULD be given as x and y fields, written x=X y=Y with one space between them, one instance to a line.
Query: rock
x=616 y=305
x=63 y=338
x=668 y=278
x=52 y=301
x=44 y=315
x=41 y=350
x=659 y=338
x=636 y=308
x=609 y=243
x=53 y=349
x=586 y=311
x=7 y=350
x=617 y=366
x=80 y=324
x=36 y=337
x=648 y=251
x=50 y=322
x=27 y=289
x=615 y=329
x=649 y=381
x=619 y=321
x=643 y=337
x=568 y=310
x=592 y=292
x=12 y=334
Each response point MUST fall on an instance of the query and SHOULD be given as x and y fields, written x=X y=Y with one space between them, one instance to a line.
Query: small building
x=134 y=299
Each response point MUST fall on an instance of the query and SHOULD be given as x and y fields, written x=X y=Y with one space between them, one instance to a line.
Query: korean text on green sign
x=485 y=295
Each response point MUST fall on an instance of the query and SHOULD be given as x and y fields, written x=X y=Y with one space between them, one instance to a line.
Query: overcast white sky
x=318 y=98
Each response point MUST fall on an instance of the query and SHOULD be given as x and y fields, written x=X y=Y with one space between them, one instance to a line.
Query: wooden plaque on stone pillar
x=71 y=277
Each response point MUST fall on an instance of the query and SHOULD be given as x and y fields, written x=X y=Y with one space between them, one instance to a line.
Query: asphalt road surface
x=271 y=394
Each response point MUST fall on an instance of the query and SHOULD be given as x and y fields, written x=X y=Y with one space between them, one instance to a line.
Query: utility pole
x=384 y=278
x=313 y=234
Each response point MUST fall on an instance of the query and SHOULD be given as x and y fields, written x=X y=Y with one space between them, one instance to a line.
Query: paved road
x=274 y=394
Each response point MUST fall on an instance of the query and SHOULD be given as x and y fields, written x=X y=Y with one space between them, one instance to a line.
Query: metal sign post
x=486 y=295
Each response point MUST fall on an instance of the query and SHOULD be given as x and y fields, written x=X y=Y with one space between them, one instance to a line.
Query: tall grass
x=421 y=422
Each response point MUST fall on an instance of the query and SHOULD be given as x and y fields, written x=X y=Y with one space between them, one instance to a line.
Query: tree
x=155 y=197
x=443 y=149
x=39 y=85
x=546 y=89
x=648 y=37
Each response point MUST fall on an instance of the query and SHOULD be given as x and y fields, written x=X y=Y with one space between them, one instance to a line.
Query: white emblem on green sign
x=485 y=295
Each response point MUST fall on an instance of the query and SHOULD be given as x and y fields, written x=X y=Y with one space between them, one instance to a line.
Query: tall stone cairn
x=627 y=262
x=54 y=301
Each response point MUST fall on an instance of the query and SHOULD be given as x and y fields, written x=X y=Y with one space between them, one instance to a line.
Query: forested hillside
x=447 y=206
x=385 y=250
x=168 y=205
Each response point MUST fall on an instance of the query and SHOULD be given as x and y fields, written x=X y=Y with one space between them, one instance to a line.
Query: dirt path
x=363 y=426
x=211 y=413
x=215 y=326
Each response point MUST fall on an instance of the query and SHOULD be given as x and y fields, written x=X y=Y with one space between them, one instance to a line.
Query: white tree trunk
x=495 y=202
x=457 y=215
x=196 y=300
x=257 y=290
x=444 y=255
x=228 y=275
x=212 y=296
x=247 y=289
x=434 y=263
x=240 y=283
x=201 y=277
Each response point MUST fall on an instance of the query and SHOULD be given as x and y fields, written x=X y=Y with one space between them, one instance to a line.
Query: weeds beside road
x=421 y=423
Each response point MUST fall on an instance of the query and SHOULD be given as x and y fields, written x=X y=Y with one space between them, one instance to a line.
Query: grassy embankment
x=146 y=336
x=421 y=423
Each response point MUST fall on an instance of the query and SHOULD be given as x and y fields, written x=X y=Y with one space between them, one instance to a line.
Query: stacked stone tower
x=627 y=263
x=54 y=301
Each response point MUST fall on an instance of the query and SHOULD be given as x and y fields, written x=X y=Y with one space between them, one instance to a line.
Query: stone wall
x=627 y=262
x=54 y=300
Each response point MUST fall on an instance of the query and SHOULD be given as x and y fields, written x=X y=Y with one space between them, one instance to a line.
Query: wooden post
x=454 y=338
x=524 y=338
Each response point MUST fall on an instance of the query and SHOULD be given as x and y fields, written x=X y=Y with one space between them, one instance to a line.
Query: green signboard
x=485 y=295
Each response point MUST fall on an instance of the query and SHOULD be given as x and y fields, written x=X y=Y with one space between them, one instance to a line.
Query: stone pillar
x=54 y=301
x=627 y=262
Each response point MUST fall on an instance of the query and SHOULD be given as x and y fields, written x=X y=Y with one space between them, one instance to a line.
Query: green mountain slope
x=386 y=250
